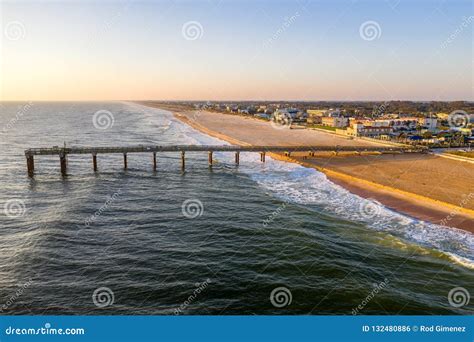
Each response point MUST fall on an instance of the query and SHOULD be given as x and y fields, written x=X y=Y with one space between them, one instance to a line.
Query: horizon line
x=232 y=100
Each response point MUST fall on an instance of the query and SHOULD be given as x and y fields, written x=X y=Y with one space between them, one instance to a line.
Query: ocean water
x=273 y=238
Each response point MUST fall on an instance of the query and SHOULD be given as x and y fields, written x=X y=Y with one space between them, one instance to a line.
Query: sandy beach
x=423 y=186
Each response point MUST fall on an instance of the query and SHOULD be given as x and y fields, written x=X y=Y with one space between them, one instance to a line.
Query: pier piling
x=154 y=161
x=63 y=163
x=262 y=157
x=210 y=158
x=94 y=161
x=125 y=165
x=237 y=158
x=30 y=163
x=183 y=162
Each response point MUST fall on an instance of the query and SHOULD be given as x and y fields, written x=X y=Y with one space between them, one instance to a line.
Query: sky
x=236 y=50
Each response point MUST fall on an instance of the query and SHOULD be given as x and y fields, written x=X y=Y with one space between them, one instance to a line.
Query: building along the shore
x=288 y=115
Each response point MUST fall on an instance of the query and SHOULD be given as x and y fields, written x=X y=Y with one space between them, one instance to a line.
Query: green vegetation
x=328 y=128
x=463 y=154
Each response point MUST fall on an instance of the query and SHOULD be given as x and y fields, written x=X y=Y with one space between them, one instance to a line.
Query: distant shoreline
x=411 y=204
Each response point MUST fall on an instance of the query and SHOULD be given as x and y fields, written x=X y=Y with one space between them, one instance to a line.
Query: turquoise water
x=217 y=241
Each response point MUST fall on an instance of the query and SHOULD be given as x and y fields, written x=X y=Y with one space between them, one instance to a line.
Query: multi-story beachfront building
x=335 y=121
x=316 y=112
x=361 y=130
x=400 y=124
x=412 y=123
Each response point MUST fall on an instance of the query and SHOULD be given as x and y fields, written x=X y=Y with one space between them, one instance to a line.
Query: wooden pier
x=64 y=152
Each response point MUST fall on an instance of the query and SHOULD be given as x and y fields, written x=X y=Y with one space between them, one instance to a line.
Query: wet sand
x=423 y=186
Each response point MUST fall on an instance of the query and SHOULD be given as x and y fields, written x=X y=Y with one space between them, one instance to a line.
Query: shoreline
x=407 y=203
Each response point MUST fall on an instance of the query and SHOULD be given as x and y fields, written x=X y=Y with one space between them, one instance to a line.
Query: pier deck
x=63 y=152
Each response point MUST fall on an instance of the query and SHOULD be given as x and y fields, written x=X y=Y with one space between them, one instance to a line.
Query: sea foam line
x=309 y=187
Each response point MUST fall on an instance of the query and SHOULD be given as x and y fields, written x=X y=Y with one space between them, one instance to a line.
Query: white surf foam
x=309 y=187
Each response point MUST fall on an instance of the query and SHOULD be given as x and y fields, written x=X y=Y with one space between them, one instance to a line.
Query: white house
x=288 y=115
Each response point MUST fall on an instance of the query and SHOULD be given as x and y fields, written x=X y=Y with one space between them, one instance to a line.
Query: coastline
x=414 y=205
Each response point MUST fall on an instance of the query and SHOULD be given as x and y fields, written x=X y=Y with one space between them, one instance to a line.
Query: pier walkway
x=64 y=152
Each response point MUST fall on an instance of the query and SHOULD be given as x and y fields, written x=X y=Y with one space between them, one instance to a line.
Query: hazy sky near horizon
x=237 y=50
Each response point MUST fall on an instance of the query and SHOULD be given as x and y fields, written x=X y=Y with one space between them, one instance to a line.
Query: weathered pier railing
x=63 y=152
